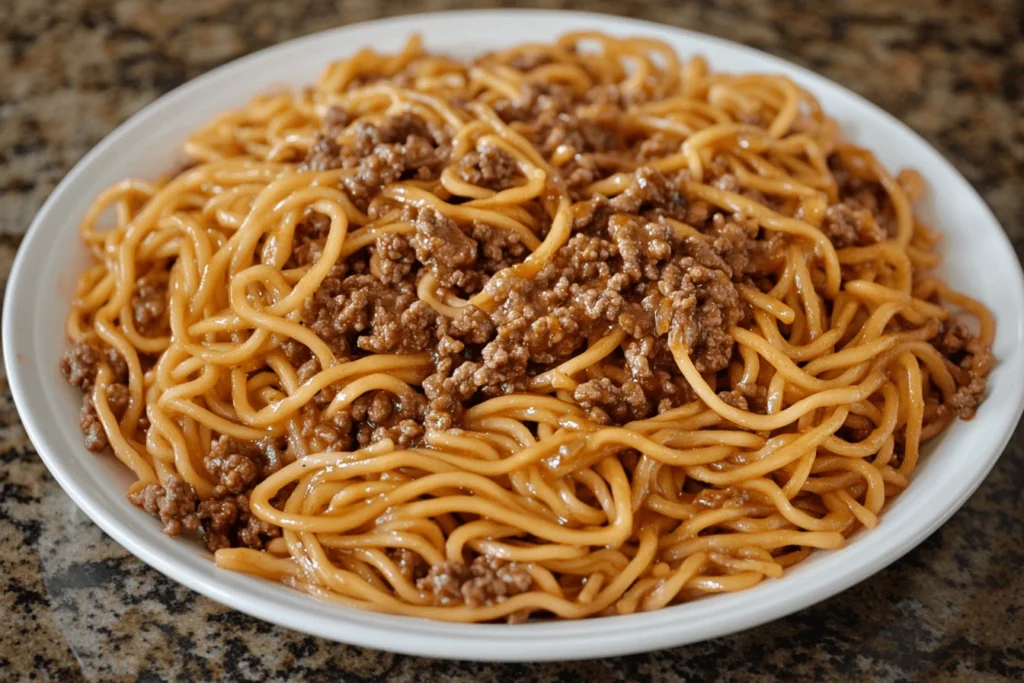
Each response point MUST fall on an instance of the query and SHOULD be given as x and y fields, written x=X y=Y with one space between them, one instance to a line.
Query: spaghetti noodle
x=573 y=329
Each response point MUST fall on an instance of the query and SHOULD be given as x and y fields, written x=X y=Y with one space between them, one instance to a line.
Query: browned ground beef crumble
x=488 y=167
x=148 y=307
x=482 y=583
x=623 y=267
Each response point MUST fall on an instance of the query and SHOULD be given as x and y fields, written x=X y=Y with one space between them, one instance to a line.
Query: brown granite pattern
x=76 y=606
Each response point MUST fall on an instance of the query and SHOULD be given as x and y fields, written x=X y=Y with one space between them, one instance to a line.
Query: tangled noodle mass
x=573 y=329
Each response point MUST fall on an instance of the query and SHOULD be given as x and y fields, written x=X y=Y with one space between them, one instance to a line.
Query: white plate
x=979 y=261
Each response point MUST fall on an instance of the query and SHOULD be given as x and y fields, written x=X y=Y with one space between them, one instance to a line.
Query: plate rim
x=562 y=640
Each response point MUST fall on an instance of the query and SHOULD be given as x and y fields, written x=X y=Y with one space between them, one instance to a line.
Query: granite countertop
x=76 y=606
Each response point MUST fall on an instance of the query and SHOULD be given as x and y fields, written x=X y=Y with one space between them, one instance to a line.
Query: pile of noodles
x=603 y=518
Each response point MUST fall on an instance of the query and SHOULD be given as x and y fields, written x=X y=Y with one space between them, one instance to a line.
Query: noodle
x=574 y=329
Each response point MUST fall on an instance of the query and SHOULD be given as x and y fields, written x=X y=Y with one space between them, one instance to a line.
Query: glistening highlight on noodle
x=572 y=329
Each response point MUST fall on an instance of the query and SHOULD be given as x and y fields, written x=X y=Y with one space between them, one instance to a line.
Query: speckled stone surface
x=76 y=606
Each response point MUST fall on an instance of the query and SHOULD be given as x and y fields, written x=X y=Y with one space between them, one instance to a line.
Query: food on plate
x=567 y=330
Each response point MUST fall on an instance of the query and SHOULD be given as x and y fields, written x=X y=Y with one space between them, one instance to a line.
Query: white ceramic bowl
x=979 y=261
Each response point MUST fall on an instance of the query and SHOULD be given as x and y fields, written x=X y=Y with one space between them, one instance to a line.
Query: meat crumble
x=223 y=520
x=490 y=167
x=484 y=582
x=401 y=147
x=174 y=503
x=79 y=366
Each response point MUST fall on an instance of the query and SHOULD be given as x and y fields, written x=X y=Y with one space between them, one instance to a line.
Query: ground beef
x=968 y=397
x=496 y=248
x=704 y=305
x=92 y=428
x=743 y=250
x=237 y=465
x=579 y=172
x=455 y=379
x=591 y=216
x=469 y=326
x=403 y=144
x=395 y=255
x=336 y=119
x=410 y=564
x=308 y=241
x=334 y=434
x=734 y=398
x=372 y=417
x=859 y=194
x=485 y=582
x=534 y=322
x=550 y=118
x=400 y=146
x=649 y=188
x=624 y=267
x=848 y=226
x=650 y=363
x=296 y=352
x=80 y=363
x=620 y=269
x=975 y=364
x=395 y=129
x=228 y=523
x=149 y=303
x=223 y=520
x=355 y=313
x=488 y=166
x=442 y=247
x=755 y=396
x=174 y=503
x=643 y=246
x=952 y=339
x=607 y=402
x=453 y=382
x=387 y=164
x=970 y=361
x=323 y=155
x=380 y=415
x=118 y=398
